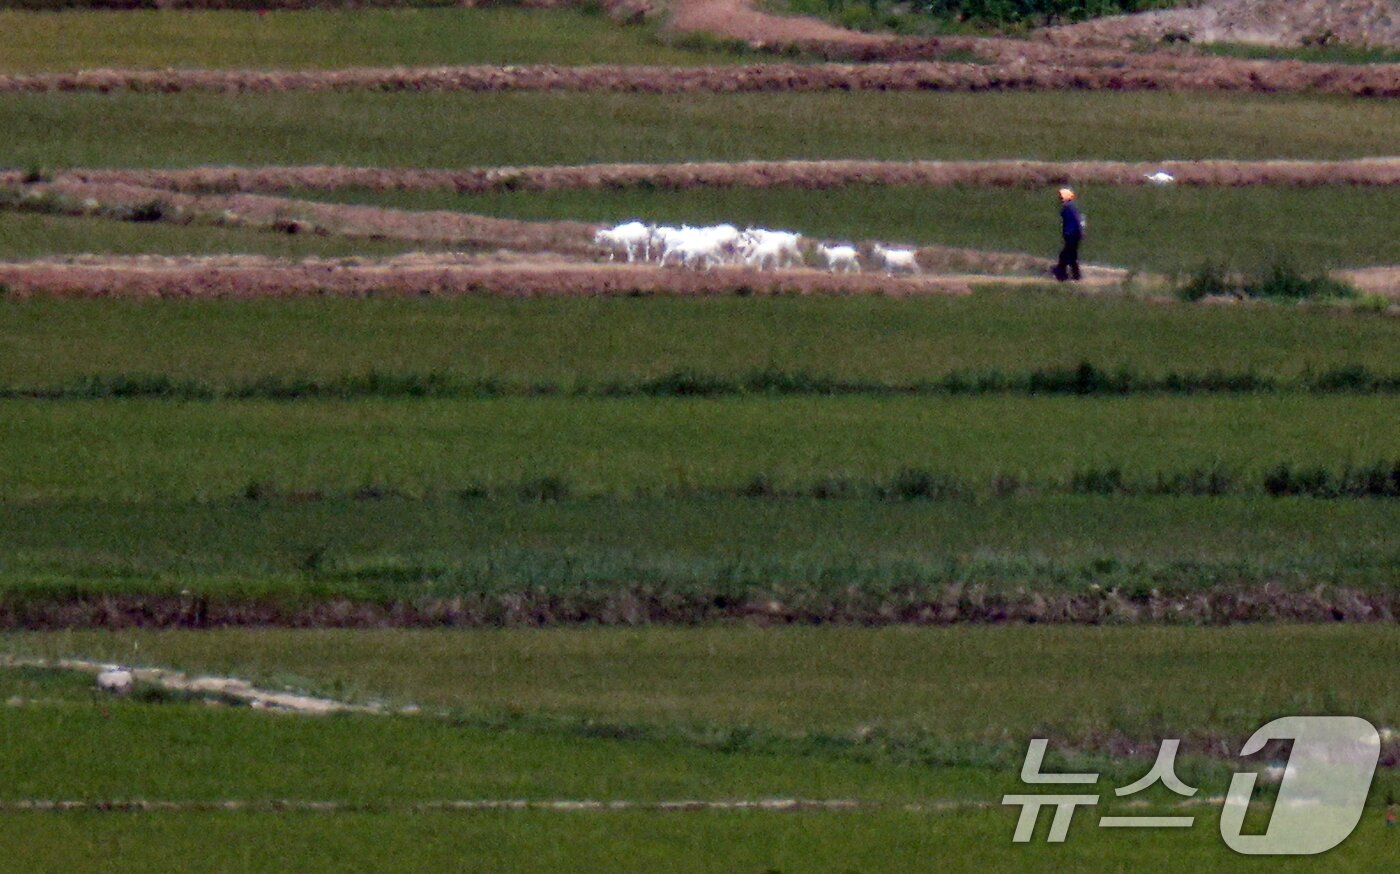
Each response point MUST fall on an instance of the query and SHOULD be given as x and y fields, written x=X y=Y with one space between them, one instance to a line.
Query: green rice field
x=461 y=130
x=324 y=39
x=591 y=557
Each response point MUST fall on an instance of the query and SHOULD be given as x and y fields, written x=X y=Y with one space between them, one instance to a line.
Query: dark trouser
x=1068 y=268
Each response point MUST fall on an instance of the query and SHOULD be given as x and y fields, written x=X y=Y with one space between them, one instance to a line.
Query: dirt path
x=246 y=277
x=216 y=688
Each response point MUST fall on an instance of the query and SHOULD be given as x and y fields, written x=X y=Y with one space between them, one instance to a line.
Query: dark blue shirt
x=1072 y=223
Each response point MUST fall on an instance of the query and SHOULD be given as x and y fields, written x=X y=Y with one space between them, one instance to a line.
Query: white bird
x=1161 y=177
x=118 y=681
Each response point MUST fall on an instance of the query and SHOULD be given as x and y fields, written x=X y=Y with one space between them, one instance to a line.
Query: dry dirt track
x=743 y=174
x=247 y=276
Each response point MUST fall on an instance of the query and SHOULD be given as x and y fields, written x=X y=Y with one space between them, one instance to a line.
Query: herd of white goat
x=703 y=248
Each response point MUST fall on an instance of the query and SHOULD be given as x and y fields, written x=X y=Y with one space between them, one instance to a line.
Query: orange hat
x=1066 y=194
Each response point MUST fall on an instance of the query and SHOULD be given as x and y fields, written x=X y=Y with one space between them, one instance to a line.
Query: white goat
x=692 y=247
x=897 y=260
x=843 y=257
x=763 y=247
x=698 y=247
x=630 y=238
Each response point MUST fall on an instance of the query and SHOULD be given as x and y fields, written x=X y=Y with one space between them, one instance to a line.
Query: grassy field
x=594 y=341
x=892 y=717
x=171 y=751
x=631 y=842
x=454 y=130
x=857 y=552
x=1150 y=228
x=326 y=39
x=35 y=236
x=131 y=449
x=955 y=685
x=543 y=497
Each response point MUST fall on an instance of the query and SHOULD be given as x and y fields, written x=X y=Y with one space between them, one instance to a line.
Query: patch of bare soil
x=1286 y=23
x=747 y=174
x=1177 y=72
x=737 y=19
x=1374 y=280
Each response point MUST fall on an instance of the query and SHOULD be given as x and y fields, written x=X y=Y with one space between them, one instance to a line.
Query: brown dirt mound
x=1222 y=75
x=748 y=174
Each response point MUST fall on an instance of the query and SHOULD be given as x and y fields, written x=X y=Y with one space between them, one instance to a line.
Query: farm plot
x=656 y=525
x=127 y=449
x=624 y=842
x=563 y=343
x=1162 y=230
x=326 y=39
x=25 y=236
x=1095 y=682
x=528 y=560
x=634 y=717
x=468 y=130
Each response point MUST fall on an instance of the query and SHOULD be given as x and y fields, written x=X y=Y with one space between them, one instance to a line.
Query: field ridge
x=1368 y=81
x=1380 y=171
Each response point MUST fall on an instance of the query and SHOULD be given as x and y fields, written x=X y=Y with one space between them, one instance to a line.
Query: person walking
x=1072 y=228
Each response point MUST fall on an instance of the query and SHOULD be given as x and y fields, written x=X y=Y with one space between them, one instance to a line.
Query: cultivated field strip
x=414 y=275
x=625 y=606
x=252 y=276
x=1380 y=80
x=743 y=174
x=305 y=216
